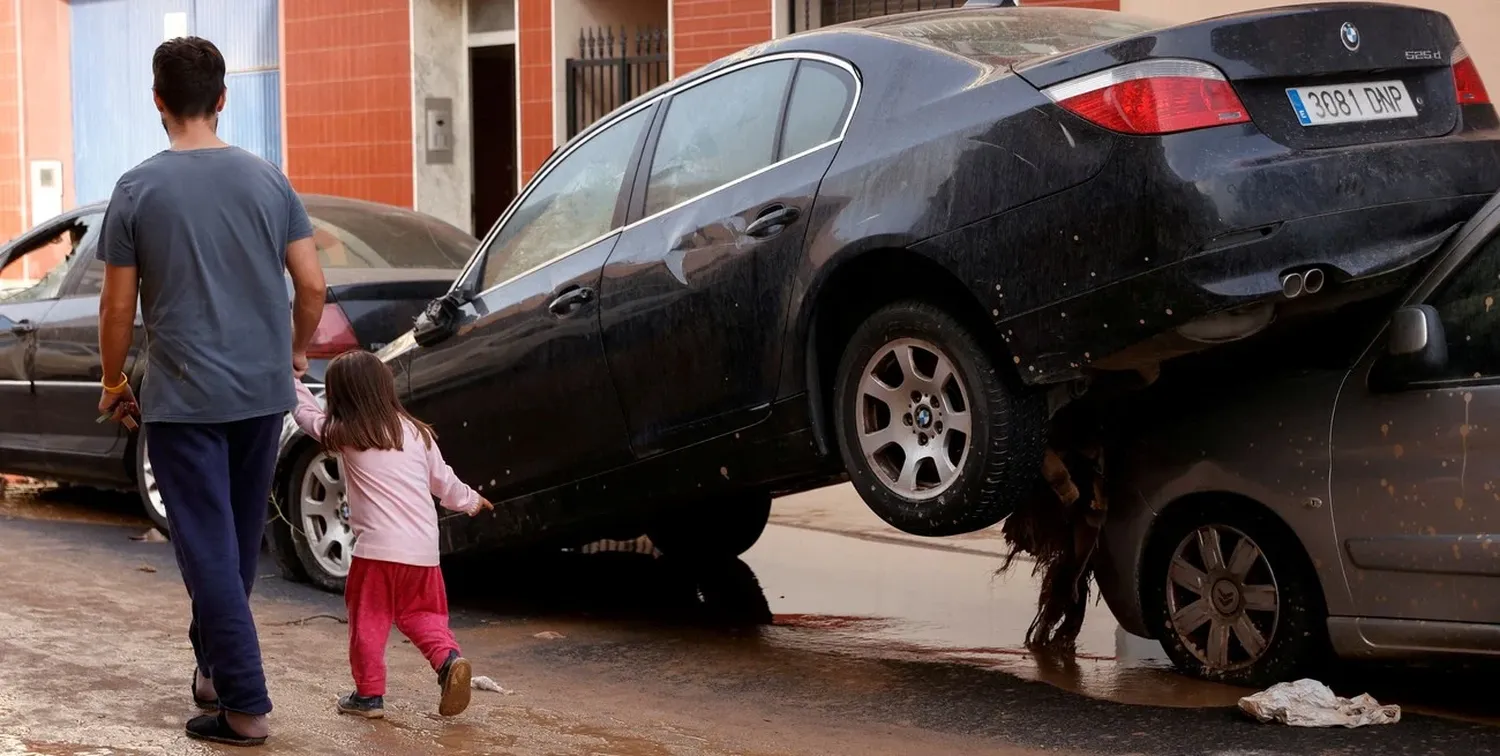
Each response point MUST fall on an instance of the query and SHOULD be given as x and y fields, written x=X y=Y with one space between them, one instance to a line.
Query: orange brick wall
x=46 y=64
x=534 y=25
x=348 y=102
x=11 y=207
x=706 y=30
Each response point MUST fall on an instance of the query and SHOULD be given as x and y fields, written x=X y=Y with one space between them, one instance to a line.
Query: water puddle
x=913 y=602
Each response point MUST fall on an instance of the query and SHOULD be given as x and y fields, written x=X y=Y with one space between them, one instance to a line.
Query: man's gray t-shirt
x=207 y=231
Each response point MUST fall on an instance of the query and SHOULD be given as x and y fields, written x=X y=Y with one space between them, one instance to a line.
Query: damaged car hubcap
x=325 y=515
x=1222 y=598
x=914 y=418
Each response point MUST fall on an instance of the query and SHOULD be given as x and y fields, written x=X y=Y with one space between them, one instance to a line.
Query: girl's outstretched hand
x=484 y=505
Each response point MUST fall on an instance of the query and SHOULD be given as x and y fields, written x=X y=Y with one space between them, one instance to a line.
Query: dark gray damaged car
x=1346 y=500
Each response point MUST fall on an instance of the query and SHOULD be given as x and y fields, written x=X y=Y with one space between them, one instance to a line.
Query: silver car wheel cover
x=324 y=515
x=1224 y=609
x=913 y=419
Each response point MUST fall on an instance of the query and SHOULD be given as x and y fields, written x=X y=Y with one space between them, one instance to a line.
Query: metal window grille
x=613 y=67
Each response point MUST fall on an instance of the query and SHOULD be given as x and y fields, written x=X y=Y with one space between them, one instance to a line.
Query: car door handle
x=772 y=220
x=23 y=327
x=569 y=301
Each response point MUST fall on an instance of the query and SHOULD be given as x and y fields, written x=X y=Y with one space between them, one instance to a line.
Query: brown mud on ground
x=37 y=500
x=94 y=662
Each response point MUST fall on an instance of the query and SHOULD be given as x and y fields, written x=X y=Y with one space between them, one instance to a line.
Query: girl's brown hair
x=363 y=410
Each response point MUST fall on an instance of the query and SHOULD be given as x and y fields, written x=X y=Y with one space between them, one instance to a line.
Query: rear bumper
x=1188 y=225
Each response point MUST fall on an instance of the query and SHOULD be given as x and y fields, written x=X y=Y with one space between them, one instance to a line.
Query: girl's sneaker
x=453 y=678
x=371 y=707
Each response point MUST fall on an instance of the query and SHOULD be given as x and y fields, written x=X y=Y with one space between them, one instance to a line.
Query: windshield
x=362 y=235
x=1006 y=37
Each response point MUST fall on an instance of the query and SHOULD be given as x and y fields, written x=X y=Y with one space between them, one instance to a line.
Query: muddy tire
x=1232 y=596
x=719 y=528
x=145 y=482
x=308 y=526
x=937 y=438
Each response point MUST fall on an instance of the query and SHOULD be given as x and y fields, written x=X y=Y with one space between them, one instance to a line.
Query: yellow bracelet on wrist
x=117 y=388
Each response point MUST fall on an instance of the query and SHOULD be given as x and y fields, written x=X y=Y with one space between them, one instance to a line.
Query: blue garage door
x=115 y=124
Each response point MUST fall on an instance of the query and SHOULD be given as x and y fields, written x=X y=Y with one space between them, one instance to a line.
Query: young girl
x=393 y=469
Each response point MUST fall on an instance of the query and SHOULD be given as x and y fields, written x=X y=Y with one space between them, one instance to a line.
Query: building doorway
x=492 y=98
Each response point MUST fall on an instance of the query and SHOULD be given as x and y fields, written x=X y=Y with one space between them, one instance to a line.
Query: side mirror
x=439 y=320
x=1416 y=348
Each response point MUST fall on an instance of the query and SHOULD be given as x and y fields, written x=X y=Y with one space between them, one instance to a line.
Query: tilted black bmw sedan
x=382 y=264
x=884 y=249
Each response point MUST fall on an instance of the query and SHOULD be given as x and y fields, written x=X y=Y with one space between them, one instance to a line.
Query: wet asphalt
x=830 y=636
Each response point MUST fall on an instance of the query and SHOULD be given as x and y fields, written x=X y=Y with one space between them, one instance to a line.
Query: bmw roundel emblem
x=1350 y=36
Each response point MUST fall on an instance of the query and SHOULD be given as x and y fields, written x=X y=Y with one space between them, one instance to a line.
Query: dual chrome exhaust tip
x=1310 y=281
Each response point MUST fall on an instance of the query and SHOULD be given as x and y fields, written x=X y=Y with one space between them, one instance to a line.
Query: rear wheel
x=310 y=531
x=933 y=438
x=714 y=529
x=1234 y=595
x=145 y=480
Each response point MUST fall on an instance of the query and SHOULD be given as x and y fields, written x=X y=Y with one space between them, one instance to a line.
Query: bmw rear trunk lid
x=1311 y=76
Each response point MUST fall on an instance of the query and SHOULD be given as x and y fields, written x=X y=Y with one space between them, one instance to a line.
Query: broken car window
x=56 y=256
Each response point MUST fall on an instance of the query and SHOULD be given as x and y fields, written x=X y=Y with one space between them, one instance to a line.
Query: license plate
x=1351 y=103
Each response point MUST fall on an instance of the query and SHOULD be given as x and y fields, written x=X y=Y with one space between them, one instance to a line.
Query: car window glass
x=717 y=132
x=572 y=204
x=1468 y=304
x=44 y=268
x=821 y=96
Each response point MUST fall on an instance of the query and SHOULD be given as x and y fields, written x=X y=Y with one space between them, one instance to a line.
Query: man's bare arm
x=309 y=292
x=116 y=320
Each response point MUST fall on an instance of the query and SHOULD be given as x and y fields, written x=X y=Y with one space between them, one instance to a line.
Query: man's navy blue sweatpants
x=215 y=480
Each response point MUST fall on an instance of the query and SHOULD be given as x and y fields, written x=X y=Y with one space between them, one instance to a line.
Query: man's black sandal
x=215 y=728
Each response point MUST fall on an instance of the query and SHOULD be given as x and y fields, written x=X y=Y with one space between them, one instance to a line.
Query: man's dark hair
x=188 y=76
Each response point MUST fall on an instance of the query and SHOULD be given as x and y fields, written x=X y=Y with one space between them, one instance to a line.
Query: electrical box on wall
x=46 y=190
x=439 y=130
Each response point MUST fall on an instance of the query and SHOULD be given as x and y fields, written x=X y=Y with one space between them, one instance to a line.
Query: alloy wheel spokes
x=324 y=523
x=1224 y=610
x=913 y=419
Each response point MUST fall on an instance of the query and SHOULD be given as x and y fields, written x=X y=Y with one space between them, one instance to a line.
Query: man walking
x=202 y=232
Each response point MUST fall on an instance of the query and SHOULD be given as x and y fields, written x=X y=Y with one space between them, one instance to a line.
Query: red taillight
x=1153 y=97
x=334 y=335
x=1466 y=79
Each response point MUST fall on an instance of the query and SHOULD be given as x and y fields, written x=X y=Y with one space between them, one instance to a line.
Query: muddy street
x=834 y=635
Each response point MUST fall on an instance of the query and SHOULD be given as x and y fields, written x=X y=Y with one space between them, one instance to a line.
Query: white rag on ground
x=1309 y=703
x=484 y=683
